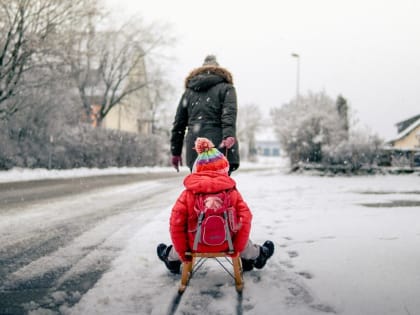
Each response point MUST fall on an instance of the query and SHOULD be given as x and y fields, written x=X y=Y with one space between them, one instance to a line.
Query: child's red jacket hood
x=208 y=182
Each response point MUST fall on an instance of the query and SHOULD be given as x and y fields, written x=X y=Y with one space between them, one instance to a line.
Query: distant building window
x=268 y=148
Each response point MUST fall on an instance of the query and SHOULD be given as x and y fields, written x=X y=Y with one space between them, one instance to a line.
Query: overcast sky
x=366 y=50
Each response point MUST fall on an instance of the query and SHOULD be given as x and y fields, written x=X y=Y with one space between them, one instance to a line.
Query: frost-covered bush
x=80 y=146
x=84 y=146
x=361 y=148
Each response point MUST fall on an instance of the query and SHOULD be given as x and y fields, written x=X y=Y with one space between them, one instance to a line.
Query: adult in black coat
x=208 y=108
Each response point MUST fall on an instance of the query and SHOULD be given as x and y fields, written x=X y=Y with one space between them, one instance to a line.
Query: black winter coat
x=208 y=108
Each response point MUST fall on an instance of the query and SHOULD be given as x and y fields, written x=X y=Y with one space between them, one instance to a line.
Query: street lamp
x=295 y=55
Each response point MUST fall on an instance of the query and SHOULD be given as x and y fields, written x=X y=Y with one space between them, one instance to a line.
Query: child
x=210 y=175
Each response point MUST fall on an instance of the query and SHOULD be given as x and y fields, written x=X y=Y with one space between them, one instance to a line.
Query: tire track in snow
x=70 y=254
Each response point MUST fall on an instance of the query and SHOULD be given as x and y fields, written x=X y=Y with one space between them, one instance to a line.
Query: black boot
x=247 y=264
x=266 y=251
x=163 y=253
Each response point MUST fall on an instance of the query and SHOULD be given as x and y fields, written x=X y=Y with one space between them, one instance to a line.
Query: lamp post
x=295 y=55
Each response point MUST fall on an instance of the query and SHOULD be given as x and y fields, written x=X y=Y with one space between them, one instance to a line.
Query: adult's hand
x=176 y=162
x=228 y=143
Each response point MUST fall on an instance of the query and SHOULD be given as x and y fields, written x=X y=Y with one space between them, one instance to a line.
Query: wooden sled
x=198 y=260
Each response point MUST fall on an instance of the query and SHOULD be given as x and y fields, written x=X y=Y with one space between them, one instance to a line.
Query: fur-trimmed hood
x=202 y=78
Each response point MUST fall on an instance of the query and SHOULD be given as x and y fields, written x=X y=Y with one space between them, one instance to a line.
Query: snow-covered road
x=345 y=245
x=65 y=244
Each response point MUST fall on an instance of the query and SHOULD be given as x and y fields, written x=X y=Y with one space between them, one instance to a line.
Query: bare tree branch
x=26 y=27
x=109 y=65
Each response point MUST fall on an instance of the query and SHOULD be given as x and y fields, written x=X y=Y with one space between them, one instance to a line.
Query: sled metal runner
x=198 y=259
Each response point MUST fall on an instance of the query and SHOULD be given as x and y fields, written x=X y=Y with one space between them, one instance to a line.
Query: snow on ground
x=356 y=259
x=25 y=174
x=345 y=245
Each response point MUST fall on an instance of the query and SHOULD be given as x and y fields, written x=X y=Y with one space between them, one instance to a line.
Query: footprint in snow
x=305 y=274
x=287 y=264
x=329 y=237
x=324 y=308
x=292 y=253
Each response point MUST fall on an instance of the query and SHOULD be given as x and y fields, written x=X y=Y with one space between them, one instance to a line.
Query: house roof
x=407 y=129
x=402 y=125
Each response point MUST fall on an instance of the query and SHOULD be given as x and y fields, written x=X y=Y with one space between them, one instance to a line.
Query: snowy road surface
x=344 y=245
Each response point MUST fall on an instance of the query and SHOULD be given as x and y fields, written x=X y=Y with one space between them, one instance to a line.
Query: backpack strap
x=198 y=233
x=229 y=238
x=226 y=204
x=198 y=207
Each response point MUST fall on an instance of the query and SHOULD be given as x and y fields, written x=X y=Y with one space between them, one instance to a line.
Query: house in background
x=135 y=113
x=405 y=147
x=408 y=137
x=266 y=143
x=268 y=148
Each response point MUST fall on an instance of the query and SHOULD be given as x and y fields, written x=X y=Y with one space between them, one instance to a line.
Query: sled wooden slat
x=187 y=269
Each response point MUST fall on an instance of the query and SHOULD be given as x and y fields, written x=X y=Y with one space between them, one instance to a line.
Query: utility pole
x=295 y=55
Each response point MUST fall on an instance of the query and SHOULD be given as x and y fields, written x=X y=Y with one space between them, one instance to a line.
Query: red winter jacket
x=183 y=215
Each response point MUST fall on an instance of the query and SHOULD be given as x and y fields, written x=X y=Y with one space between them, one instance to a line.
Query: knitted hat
x=210 y=60
x=209 y=158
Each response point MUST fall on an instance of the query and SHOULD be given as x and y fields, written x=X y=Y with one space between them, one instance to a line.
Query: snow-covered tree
x=317 y=130
x=306 y=127
x=248 y=122
x=343 y=109
x=109 y=63
x=60 y=57
x=27 y=32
